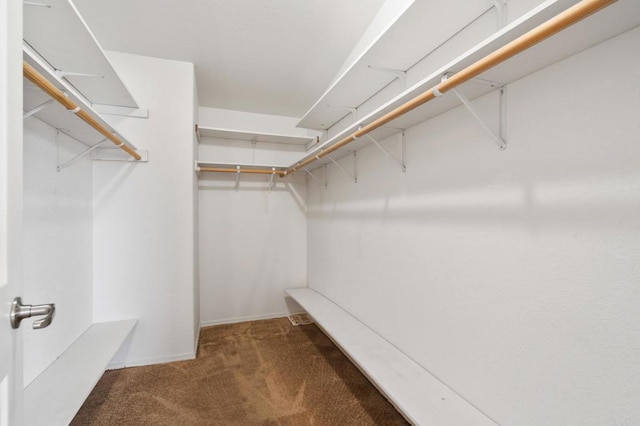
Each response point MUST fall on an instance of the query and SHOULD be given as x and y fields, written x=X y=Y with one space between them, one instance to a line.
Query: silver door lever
x=20 y=312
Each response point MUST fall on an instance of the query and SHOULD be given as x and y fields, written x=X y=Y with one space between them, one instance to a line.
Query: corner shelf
x=56 y=31
x=616 y=19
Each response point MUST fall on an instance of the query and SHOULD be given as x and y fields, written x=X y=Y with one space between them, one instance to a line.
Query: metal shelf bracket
x=501 y=6
x=237 y=187
x=37 y=109
x=352 y=110
x=400 y=74
x=79 y=156
x=316 y=178
x=273 y=173
x=497 y=138
x=62 y=74
x=353 y=176
x=401 y=163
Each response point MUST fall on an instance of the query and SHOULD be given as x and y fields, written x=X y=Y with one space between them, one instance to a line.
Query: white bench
x=57 y=394
x=417 y=394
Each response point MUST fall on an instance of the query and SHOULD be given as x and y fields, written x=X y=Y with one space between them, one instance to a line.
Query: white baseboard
x=244 y=319
x=163 y=360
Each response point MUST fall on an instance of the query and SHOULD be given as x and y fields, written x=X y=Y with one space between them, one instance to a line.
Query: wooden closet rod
x=543 y=31
x=229 y=170
x=38 y=79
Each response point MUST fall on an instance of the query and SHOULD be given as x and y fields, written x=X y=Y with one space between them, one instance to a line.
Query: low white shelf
x=57 y=394
x=417 y=394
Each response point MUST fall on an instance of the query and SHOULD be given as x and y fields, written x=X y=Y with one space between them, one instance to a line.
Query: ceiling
x=271 y=57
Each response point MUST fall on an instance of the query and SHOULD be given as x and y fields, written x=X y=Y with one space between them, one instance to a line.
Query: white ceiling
x=272 y=57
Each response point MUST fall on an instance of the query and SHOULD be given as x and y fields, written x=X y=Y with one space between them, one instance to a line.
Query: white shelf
x=253 y=136
x=57 y=394
x=400 y=45
x=417 y=394
x=59 y=34
x=622 y=16
x=55 y=114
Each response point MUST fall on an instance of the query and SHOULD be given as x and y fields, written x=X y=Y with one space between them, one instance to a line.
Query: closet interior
x=457 y=211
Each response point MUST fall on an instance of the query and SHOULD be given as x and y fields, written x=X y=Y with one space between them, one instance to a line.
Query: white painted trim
x=139 y=363
x=195 y=346
x=244 y=319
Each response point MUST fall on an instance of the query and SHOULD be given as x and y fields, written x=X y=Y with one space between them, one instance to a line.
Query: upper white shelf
x=56 y=115
x=56 y=31
x=399 y=45
x=244 y=135
x=607 y=23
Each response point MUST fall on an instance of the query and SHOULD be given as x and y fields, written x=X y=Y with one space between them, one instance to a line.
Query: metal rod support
x=500 y=9
x=355 y=179
x=79 y=156
x=352 y=110
x=273 y=173
x=503 y=113
x=316 y=178
x=355 y=166
x=467 y=103
x=32 y=3
x=62 y=74
x=387 y=153
x=326 y=177
x=403 y=141
x=399 y=74
x=38 y=108
x=237 y=178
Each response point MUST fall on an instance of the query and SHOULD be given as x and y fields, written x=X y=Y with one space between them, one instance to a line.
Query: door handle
x=20 y=312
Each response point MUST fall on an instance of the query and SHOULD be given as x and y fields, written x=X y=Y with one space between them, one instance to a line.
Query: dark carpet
x=253 y=373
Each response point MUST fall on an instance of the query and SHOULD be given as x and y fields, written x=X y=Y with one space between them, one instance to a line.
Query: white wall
x=57 y=245
x=512 y=276
x=252 y=246
x=144 y=218
x=237 y=151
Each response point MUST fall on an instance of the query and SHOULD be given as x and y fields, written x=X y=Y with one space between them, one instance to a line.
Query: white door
x=10 y=208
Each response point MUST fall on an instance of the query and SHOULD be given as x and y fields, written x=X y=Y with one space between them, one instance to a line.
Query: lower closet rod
x=39 y=80
x=522 y=43
x=228 y=170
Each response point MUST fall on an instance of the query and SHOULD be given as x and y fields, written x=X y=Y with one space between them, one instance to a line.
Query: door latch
x=20 y=312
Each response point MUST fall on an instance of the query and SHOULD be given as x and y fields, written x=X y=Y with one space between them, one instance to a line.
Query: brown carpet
x=252 y=373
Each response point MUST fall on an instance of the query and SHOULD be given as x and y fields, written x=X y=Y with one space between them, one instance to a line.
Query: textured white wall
x=512 y=276
x=252 y=246
x=237 y=151
x=57 y=245
x=144 y=219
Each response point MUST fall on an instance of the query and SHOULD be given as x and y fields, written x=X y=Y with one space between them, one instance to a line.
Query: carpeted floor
x=253 y=373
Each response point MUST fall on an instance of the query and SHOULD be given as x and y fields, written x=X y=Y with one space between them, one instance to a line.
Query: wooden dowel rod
x=543 y=31
x=235 y=170
x=39 y=80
